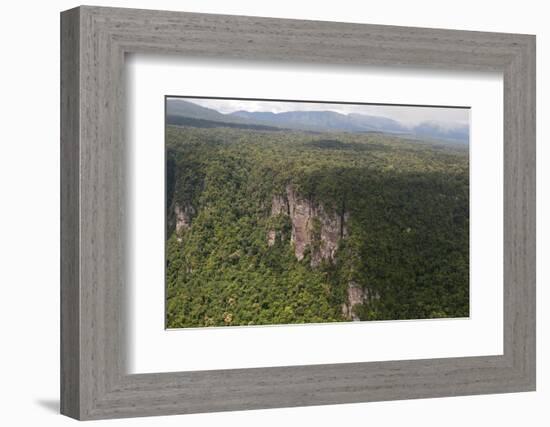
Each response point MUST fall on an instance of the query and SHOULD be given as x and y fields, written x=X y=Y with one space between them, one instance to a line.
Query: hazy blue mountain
x=303 y=120
x=318 y=121
x=435 y=130
x=377 y=123
x=182 y=108
x=324 y=121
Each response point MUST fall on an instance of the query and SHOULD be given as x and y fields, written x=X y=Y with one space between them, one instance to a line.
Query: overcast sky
x=408 y=116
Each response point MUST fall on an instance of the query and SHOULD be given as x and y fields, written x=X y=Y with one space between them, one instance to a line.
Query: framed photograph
x=292 y=212
x=261 y=213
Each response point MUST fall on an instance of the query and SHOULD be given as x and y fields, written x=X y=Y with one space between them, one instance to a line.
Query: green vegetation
x=407 y=227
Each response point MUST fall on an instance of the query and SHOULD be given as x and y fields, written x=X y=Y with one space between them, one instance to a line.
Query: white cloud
x=409 y=116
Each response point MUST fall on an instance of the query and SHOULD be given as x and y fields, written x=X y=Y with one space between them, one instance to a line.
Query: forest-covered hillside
x=274 y=227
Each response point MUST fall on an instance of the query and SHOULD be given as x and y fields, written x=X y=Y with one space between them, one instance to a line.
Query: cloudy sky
x=409 y=116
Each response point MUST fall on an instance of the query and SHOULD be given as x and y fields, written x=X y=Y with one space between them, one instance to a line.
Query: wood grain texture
x=70 y=292
x=95 y=383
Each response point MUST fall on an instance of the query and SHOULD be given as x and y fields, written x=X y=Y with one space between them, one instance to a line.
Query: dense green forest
x=394 y=214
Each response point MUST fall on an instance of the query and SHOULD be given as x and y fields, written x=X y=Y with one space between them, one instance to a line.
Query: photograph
x=290 y=212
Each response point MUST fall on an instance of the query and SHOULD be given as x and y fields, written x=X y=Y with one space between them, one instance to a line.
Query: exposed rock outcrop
x=184 y=215
x=312 y=226
x=330 y=231
x=279 y=205
x=271 y=236
x=356 y=295
x=301 y=217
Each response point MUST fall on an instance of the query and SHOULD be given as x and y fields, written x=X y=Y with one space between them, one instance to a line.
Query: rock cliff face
x=312 y=226
x=184 y=214
x=357 y=295
x=320 y=232
x=271 y=236
x=279 y=205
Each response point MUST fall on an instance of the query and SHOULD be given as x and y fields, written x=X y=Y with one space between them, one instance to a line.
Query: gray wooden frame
x=94 y=382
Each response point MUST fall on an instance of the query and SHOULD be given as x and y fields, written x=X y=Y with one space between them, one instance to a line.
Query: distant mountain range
x=178 y=110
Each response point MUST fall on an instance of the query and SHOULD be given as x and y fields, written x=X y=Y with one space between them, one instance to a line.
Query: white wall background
x=29 y=214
